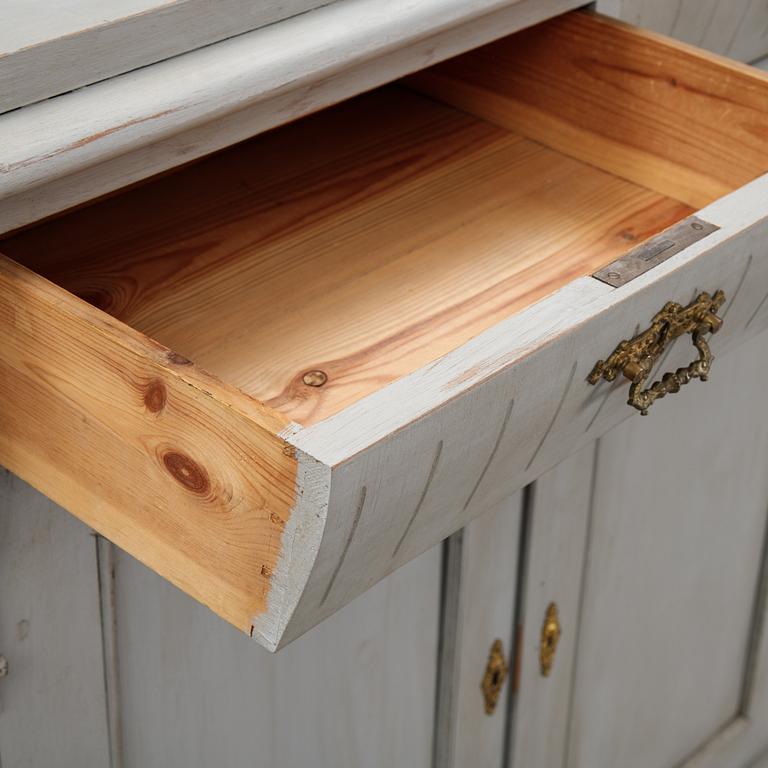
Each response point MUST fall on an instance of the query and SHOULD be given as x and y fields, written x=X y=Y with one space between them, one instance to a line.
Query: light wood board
x=666 y=115
x=128 y=435
x=364 y=242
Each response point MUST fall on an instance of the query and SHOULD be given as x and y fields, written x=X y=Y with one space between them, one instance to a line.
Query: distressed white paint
x=357 y=693
x=48 y=48
x=486 y=586
x=674 y=558
x=52 y=702
x=67 y=150
x=558 y=518
x=502 y=408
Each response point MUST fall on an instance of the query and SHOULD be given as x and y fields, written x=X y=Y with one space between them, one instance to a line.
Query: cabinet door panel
x=672 y=579
x=357 y=692
x=478 y=609
x=556 y=531
x=52 y=702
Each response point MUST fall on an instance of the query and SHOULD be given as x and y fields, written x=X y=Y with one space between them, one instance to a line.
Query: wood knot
x=155 y=396
x=176 y=358
x=187 y=472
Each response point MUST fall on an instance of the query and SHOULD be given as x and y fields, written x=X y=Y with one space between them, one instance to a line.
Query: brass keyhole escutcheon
x=550 y=637
x=496 y=671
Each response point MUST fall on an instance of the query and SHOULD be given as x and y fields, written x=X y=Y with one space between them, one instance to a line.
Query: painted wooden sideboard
x=406 y=473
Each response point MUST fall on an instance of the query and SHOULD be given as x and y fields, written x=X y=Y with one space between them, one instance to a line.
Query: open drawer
x=278 y=374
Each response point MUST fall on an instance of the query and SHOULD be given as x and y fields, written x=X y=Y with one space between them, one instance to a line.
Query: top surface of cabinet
x=48 y=48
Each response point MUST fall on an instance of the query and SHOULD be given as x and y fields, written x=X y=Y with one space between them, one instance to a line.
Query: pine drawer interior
x=371 y=238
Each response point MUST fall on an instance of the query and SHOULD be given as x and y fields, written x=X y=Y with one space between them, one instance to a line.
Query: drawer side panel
x=160 y=458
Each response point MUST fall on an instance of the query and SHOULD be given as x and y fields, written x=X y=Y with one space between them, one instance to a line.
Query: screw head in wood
x=315 y=378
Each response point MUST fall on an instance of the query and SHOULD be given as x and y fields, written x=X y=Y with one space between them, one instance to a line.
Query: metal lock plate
x=654 y=251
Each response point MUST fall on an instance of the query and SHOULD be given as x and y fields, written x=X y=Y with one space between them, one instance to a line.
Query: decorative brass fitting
x=635 y=358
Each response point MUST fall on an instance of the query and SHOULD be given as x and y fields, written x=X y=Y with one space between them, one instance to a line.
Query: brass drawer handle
x=636 y=357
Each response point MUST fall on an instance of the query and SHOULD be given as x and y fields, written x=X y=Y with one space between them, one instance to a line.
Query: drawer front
x=438 y=447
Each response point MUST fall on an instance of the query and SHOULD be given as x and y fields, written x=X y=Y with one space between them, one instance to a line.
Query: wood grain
x=164 y=460
x=364 y=242
x=671 y=117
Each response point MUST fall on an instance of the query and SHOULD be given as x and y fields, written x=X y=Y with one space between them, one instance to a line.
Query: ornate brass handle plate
x=636 y=357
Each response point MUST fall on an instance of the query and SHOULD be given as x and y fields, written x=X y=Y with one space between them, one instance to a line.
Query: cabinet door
x=671 y=662
x=476 y=670
x=53 y=708
x=356 y=692
x=556 y=520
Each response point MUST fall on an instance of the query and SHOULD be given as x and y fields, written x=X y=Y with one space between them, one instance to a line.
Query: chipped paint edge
x=299 y=547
